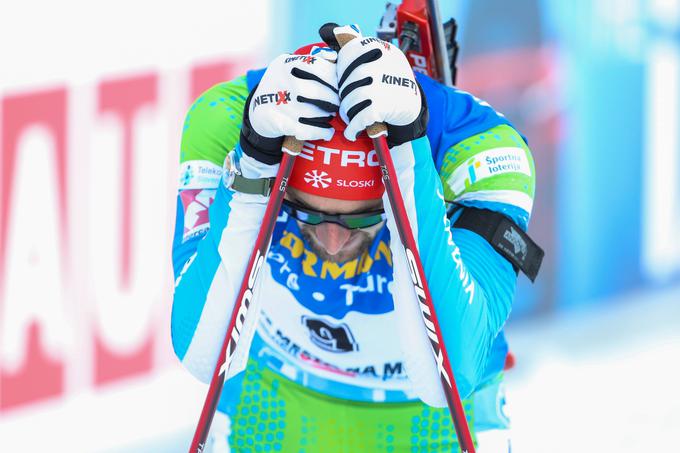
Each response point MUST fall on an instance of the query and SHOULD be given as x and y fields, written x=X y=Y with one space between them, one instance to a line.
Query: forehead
x=332 y=205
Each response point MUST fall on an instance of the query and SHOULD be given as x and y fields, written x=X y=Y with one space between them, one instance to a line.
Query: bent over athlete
x=331 y=356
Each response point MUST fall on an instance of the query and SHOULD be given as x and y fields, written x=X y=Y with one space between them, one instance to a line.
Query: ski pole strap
x=505 y=237
x=259 y=186
x=397 y=135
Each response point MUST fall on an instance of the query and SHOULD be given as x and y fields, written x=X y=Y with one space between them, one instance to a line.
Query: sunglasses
x=349 y=221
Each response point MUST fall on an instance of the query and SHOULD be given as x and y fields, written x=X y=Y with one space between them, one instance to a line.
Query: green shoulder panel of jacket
x=211 y=129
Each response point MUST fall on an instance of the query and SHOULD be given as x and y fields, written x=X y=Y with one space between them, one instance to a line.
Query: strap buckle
x=260 y=186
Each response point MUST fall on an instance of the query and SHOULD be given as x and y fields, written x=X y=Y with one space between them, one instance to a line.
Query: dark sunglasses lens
x=363 y=222
x=302 y=215
x=307 y=217
x=347 y=221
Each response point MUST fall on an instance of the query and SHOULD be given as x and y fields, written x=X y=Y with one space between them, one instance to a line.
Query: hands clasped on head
x=298 y=95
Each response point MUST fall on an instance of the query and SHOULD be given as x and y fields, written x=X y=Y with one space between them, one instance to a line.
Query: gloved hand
x=377 y=84
x=295 y=97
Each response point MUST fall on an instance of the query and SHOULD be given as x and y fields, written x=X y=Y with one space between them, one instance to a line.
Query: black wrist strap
x=263 y=149
x=397 y=135
x=505 y=237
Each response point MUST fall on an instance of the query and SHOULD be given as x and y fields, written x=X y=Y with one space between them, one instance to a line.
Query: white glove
x=376 y=84
x=296 y=97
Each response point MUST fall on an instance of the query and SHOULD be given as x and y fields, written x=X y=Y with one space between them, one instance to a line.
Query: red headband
x=338 y=168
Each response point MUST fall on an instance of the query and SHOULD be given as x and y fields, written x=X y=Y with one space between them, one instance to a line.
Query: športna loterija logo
x=318 y=179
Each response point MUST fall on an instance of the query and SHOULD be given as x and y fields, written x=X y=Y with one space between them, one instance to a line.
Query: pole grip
x=344 y=38
x=292 y=146
x=375 y=129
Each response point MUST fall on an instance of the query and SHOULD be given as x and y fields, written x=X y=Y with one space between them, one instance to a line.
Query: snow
x=602 y=380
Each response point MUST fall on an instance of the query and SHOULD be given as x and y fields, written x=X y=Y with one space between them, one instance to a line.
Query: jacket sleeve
x=472 y=285
x=215 y=229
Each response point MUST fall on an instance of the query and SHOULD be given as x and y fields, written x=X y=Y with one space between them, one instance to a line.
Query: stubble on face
x=360 y=240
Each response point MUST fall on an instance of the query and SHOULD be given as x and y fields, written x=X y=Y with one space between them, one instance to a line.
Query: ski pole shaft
x=378 y=132
x=291 y=147
x=439 y=41
x=422 y=291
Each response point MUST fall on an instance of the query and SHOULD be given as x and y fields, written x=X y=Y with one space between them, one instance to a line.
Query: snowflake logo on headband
x=318 y=180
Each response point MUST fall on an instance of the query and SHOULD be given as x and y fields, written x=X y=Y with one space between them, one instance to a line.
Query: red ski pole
x=378 y=132
x=291 y=148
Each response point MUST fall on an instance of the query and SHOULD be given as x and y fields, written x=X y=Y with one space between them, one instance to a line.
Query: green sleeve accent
x=497 y=159
x=212 y=125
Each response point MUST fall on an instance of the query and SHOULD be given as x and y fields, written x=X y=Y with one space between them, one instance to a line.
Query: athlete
x=334 y=355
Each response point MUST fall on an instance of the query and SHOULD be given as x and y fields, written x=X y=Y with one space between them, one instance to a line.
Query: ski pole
x=378 y=132
x=439 y=41
x=291 y=148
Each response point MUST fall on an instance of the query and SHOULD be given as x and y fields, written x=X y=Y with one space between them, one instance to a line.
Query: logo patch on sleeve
x=199 y=174
x=489 y=163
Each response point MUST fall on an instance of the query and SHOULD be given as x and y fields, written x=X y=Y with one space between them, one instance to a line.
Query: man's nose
x=332 y=236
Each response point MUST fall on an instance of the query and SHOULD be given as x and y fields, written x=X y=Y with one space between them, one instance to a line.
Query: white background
x=77 y=45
